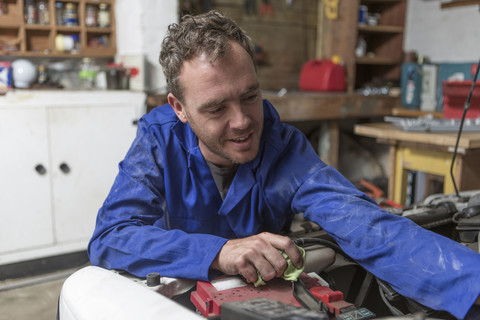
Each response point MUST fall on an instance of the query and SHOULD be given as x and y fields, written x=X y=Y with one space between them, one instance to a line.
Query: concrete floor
x=31 y=298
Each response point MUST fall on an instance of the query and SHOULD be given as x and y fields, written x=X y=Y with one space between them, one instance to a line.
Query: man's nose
x=239 y=119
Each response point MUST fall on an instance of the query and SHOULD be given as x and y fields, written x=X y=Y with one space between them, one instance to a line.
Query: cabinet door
x=25 y=209
x=87 y=143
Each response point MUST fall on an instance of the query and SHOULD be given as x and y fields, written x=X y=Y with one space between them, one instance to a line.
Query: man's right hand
x=257 y=253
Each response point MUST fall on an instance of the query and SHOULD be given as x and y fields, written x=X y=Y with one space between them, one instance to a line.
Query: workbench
x=328 y=109
x=426 y=152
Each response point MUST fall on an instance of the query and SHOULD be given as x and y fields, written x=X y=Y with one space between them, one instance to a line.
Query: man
x=212 y=178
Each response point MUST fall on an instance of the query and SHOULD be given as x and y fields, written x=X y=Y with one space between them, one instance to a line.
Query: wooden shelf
x=459 y=3
x=378 y=60
x=380 y=29
x=68 y=29
x=38 y=27
x=18 y=38
x=381 y=1
x=384 y=42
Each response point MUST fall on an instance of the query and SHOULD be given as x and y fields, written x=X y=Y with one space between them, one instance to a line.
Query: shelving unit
x=384 y=54
x=19 y=38
x=384 y=42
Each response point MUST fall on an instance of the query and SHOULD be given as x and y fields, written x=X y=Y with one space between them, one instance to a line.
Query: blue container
x=5 y=75
x=411 y=83
x=362 y=14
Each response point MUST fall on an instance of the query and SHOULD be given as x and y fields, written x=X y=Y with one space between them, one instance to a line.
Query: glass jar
x=3 y=7
x=42 y=74
x=91 y=15
x=103 y=16
x=30 y=12
x=43 y=14
x=70 y=14
x=59 y=13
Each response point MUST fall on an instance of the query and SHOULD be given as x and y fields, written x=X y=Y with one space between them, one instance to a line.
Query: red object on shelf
x=455 y=95
x=322 y=75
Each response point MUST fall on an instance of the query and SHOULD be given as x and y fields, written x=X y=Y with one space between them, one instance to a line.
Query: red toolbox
x=455 y=95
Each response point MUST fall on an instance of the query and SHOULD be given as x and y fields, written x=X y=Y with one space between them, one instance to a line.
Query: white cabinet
x=25 y=207
x=59 y=155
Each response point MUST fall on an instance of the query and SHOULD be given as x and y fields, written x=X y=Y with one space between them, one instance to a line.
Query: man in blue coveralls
x=212 y=178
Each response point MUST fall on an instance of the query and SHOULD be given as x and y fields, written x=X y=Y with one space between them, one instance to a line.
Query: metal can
x=362 y=14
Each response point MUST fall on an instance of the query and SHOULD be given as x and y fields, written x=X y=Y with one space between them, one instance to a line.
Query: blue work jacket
x=165 y=214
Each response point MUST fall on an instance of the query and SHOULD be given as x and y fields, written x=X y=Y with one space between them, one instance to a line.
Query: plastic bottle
x=103 y=16
x=361 y=48
x=76 y=43
x=87 y=73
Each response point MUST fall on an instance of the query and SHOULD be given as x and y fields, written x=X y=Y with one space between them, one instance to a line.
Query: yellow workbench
x=427 y=152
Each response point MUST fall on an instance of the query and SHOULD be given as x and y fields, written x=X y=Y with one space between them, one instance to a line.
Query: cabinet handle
x=64 y=168
x=40 y=169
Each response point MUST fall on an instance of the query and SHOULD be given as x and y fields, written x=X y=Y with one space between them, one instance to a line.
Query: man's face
x=223 y=105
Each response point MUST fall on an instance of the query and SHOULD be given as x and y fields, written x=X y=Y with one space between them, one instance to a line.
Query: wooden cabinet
x=59 y=160
x=21 y=38
x=384 y=41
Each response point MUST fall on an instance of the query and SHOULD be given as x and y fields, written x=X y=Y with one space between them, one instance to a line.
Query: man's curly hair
x=208 y=33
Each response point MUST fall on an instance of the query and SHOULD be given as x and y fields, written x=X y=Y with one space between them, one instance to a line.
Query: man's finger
x=277 y=261
x=286 y=244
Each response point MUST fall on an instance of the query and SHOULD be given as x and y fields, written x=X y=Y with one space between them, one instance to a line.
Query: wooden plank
x=391 y=166
x=340 y=38
x=311 y=106
x=287 y=38
x=381 y=29
x=468 y=140
x=334 y=138
x=459 y=3
x=468 y=178
x=402 y=112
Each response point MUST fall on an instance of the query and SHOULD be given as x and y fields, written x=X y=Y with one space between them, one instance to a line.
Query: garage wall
x=444 y=35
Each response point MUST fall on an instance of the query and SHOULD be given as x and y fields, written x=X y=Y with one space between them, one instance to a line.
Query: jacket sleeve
x=419 y=264
x=131 y=230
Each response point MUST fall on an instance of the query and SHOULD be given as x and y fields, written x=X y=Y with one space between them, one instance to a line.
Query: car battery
x=210 y=296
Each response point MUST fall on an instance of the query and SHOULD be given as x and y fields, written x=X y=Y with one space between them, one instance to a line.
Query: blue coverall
x=165 y=214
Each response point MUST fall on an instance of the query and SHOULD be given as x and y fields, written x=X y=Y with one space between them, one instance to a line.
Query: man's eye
x=216 y=110
x=253 y=97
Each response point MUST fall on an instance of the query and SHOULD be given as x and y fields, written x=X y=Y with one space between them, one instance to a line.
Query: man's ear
x=177 y=107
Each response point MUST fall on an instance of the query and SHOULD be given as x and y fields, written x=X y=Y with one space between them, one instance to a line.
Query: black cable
x=382 y=288
x=306 y=241
x=465 y=109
